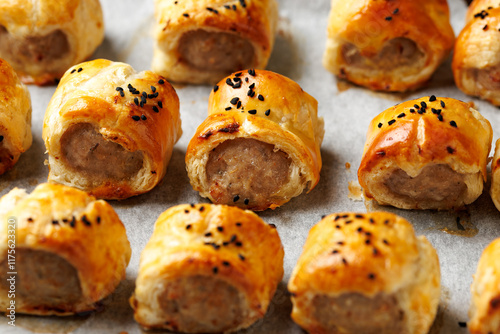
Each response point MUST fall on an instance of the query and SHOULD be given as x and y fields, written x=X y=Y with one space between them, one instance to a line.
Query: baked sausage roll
x=203 y=41
x=484 y=312
x=428 y=153
x=476 y=60
x=63 y=250
x=15 y=117
x=207 y=269
x=365 y=273
x=388 y=45
x=41 y=39
x=110 y=130
x=260 y=145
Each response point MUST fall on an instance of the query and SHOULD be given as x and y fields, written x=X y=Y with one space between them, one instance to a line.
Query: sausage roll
x=428 y=153
x=388 y=45
x=15 y=117
x=110 y=130
x=203 y=41
x=365 y=273
x=260 y=145
x=484 y=312
x=476 y=60
x=207 y=269
x=43 y=38
x=61 y=249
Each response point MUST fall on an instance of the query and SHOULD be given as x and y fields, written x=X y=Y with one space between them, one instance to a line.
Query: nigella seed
x=1 y=139
x=80 y=69
x=412 y=111
x=216 y=88
x=388 y=18
x=268 y=111
x=395 y=11
x=453 y=123
x=450 y=149
x=228 y=108
x=73 y=71
x=238 y=244
x=432 y=98
x=375 y=251
x=136 y=118
x=252 y=112
x=55 y=222
x=233 y=238
x=252 y=86
x=423 y=104
x=215 y=270
x=344 y=261
x=251 y=71
x=153 y=89
x=85 y=220
x=401 y=115
x=242 y=258
x=385 y=242
x=335 y=252
x=143 y=117
x=186 y=211
x=161 y=81
x=229 y=82
x=226 y=264
x=155 y=109
x=201 y=209
x=98 y=220
x=380 y=125
x=261 y=98
x=185 y=15
x=442 y=104
x=440 y=117
x=136 y=101
x=371 y=276
x=160 y=104
x=234 y=100
x=220 y=228
x=208 y=234
x=122 y=94
x=391 y=122
x=188 y=226
x=416 y=106
x=238 y=224
x=238 y=106
x=151 y=96
x=246 y=201
x=236 y=198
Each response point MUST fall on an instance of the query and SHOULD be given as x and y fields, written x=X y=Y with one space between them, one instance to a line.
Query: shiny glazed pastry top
x=71 y=250
x=111 y=130
x=205 y=40
x=43 y=38
x=15 y=117
x=388 y=45
x=260 y=144
x=428 y=153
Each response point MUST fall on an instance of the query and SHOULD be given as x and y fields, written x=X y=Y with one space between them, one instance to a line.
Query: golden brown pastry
x=207 y=269
x=203 y=41
x=110 y=130
x=485 y=290
x=495 y=176
x=41 y=39
x=388 y=45
x=476 y=60
x=428 y=153
x=68 y=250
x=260 y=145
x=365 y=273
x=15 y=117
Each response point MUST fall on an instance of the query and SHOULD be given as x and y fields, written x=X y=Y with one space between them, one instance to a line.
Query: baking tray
x=347 y=111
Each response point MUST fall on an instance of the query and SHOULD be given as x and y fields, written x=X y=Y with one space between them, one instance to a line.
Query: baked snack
x=67 y=250
x=41 y=39
x=388 y=45
x=428 y=153
x=365 y=273
x=207 y=269
x=110 y=130
x=203 y=41
x=260 y=144
x=495 y=176
x=15 y=117
x=476 y=60
x=484 y=312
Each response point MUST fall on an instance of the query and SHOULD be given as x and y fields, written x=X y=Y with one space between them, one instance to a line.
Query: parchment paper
x=347 y=111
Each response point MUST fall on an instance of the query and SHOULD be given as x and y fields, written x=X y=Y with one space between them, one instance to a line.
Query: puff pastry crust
x=388 y=45
x=206 y=40
x=495 y=176
x=476 y=60
x=15 y=117
x=71 y=250
x=428 y=153
x=41 y=39
x=110 y=130
x=207 y=268
x=260 y=145
x=365 y=273
x=484 y=312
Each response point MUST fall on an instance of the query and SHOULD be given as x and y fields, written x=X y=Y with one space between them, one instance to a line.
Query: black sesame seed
x=122 y=94
x=386 y=222
x=151 y=96
x=371 y=276
x=268 y=111
x=55 y=222
x=118 y=89
x=385 y=242
x=335 y=252
x=161 y=81
x=462 y=324
x=238 y=244
x=421 y=111
x=348 y=222
x=344 y=261
x=485 y=27
x=229 y=82
x=72 y=222
x=252 y=86
x=238 y=224
x=220 y=228
x=440 y=117
x=186 y=211
x=201 y=209
x=185 y=15
x=261 y=98
x=208 y=234
x=234 y=7
x=143 y=117
x=380 y=125
x=1 y=139
x=243 y=4
x=337 y=226
x=215 y=270
x=215 y=246
x=236 y=198
x=246 y=201
x=160 y=104
x=453 y=123
x=155 y=109
x=250 y=93
x=226 y=264
x=242 y=258
x=136 y=101
x=233 y=238
x=252 y=112
x=367 y=241
x=432 y=98
x=251 y=71
x=395 y=11
x=73 y=71
x=80 y=69
x=188 y=226
x=442 y=104
x=85 y=220
x=388 y=18
x=272 y=225
x=375 y=251
x=372 y=221
x=238 y=106
x=236 y=79
x=228 y=108
x=340 y=243
x=234 y=100
x=423 y=104
x=360 y=229
x=136 y=118
x=450 y=149
x=401 y=115
x=227 y=6
x=216 y=88
x=412 y=111
x=391 y=122
x=237 y=85
x=416 y=106
x=30 y=220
